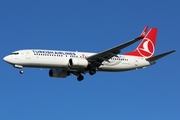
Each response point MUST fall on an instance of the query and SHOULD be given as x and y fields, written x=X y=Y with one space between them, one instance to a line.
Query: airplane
x=65 y=63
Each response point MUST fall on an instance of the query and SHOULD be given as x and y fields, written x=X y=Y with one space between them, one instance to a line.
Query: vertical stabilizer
x=147 y=47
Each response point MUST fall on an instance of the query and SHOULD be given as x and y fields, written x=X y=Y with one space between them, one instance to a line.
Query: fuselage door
x=136 y=61
x=28 y=55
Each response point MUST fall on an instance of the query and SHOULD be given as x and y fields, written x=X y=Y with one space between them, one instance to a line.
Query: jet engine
x=78 y=63
x=58 y=73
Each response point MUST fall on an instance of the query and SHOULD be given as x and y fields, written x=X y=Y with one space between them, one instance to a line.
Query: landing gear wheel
x=21 y=71
x=92 y=72
x=80 y=78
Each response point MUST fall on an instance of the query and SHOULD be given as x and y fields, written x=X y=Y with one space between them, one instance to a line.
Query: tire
x=21 y=71
x=92 y=72
x=80 y=78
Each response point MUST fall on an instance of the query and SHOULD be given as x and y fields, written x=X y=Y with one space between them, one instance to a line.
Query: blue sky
x=89 y=26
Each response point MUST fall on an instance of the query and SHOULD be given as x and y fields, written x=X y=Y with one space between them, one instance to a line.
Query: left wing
x=97 y=59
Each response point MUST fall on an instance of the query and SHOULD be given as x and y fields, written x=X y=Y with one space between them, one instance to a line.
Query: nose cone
x=6 y=59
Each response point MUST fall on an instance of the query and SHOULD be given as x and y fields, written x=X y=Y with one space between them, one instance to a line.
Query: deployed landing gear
x=21 y=71
x=19 y=67
x=80 y=77
x=92 y=72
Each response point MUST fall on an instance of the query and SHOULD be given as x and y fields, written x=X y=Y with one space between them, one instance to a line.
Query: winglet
x=143 y=34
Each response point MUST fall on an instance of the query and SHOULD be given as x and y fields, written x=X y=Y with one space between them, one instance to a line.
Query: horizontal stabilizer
x=160 y=56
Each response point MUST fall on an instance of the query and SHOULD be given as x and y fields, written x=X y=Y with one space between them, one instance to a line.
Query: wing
x=97 y=59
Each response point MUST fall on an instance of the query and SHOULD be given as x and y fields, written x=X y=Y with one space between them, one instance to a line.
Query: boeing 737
x=65 y=63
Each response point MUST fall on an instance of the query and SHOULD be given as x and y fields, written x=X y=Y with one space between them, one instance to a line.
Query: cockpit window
x=14 y=53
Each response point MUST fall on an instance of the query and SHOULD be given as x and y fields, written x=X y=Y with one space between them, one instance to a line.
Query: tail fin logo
x=146 y=48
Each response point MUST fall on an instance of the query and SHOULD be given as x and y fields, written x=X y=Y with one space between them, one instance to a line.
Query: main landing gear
x=92 y=72
x=80 y=77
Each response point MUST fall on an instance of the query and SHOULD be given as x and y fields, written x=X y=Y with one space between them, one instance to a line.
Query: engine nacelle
x=78 y=63
x=58 y=73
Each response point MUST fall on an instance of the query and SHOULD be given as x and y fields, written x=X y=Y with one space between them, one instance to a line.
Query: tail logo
x=146 y=49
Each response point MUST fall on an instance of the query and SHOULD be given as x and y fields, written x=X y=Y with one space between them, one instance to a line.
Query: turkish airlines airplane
x=65 y=63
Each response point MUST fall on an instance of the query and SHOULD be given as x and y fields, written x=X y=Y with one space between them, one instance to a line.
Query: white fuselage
x=65 y=63
x=60 y=60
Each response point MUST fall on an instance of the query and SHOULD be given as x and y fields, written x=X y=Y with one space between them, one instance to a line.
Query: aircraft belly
x=124 y=66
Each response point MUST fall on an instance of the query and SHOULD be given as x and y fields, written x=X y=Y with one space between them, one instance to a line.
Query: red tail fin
x=147 y=47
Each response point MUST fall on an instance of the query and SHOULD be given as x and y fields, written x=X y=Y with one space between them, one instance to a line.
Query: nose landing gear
x=19 y=67
x=21 y=71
